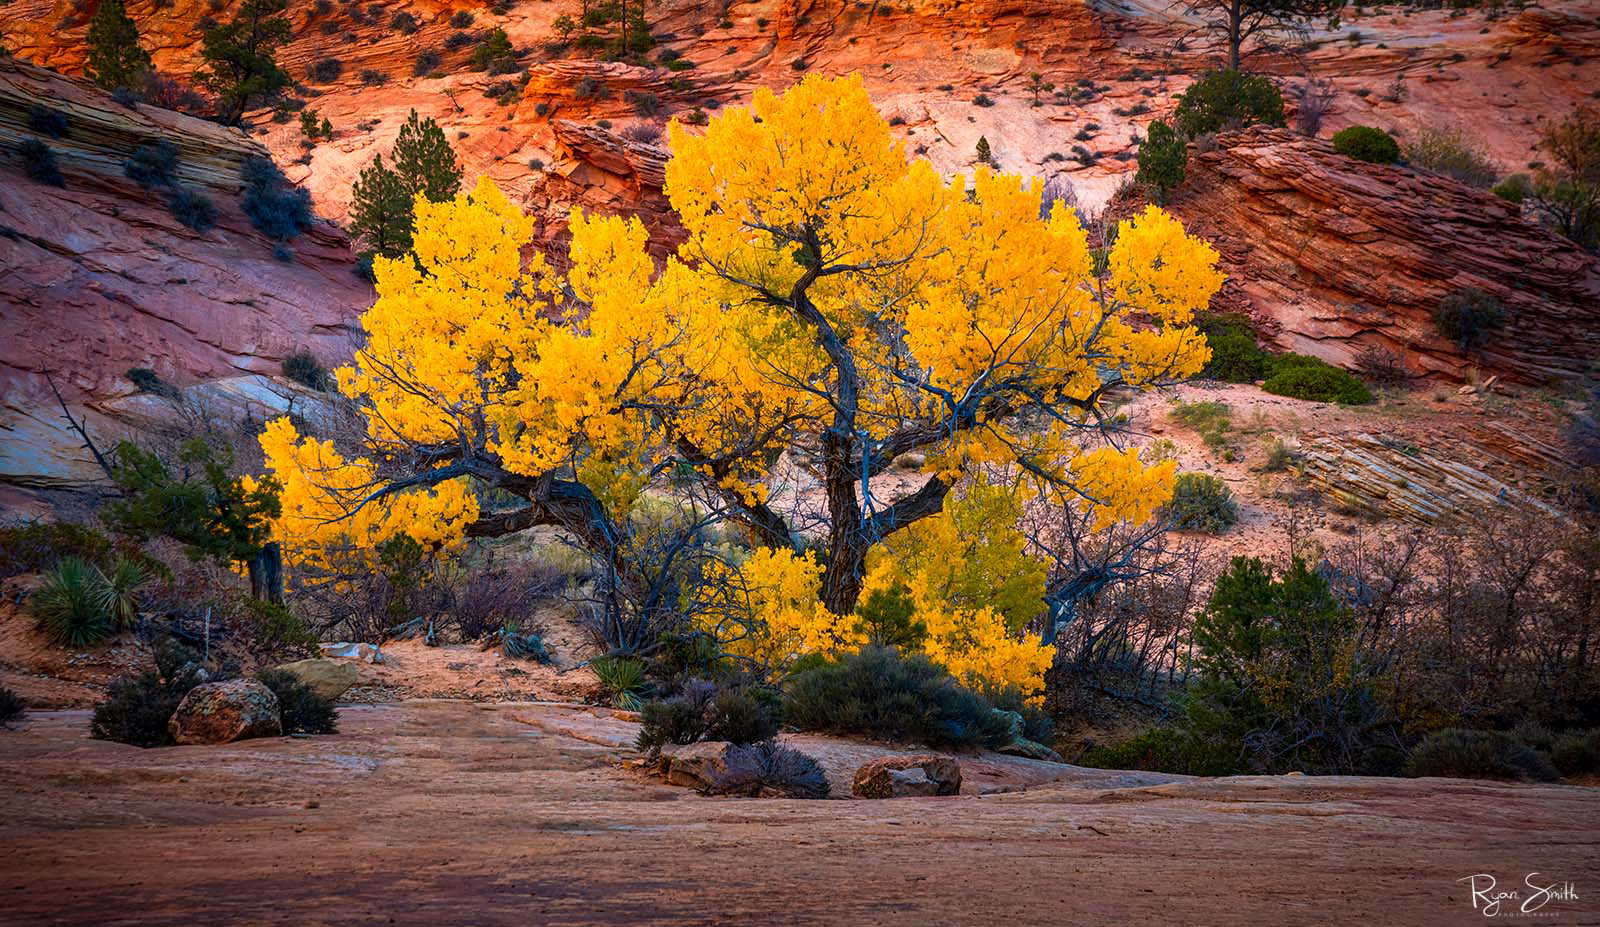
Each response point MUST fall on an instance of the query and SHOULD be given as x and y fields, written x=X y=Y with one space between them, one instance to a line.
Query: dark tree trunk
x=266 y=574
x=847 y=540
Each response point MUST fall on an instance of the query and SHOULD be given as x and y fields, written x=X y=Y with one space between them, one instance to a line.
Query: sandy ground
x=457 y=812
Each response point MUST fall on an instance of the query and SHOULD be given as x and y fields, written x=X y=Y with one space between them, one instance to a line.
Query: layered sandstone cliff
x=97 y=276
x=1334 y=256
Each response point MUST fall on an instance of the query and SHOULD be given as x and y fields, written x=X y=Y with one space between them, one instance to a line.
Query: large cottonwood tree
x=832 y=294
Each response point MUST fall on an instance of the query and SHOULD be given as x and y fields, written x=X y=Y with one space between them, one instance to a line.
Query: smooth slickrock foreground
x=457 y=813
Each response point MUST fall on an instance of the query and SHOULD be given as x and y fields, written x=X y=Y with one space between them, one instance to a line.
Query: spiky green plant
x=71 y=606
x=119 y=594
x=623 y=678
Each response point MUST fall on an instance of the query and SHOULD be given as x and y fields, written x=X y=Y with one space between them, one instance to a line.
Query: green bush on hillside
x=1364 y=143
x=1300 y=377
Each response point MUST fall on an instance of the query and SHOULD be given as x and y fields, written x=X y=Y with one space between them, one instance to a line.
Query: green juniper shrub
x=1467 y=316
x=36 y=546
x=12 y=707
x=48 y=122
x=1280 y=678
x=1235 y=357
x=789 y=772
x=136 y=708
x=404 y=23
x=302 y=710
x=213 y=513
x=886 y=617
x=1466 y=754
x=278 y=631
x=1577 y=753
x=276 y=208
x=1228 y=99
x=1202 y=502
x=495 y=54
x=1365 y=143
x=39 y=162
x=1513 y=189
x=738 y=712
x=1168 y=749
x=192 y=208
x=1162 y=157
x=880 y=694
x=304 y=368
x=148 y=381
x=153 y=164
x=1301 y=377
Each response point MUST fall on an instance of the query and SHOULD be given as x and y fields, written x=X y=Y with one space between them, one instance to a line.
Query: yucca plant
x=623 y=678
x=119 y=594
x=71 y=604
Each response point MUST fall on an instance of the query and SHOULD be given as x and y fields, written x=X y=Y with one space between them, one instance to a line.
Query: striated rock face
x=98 y=277
x=223 y=712
x=600 y=171
x=1383 y=475
x=1335 y=256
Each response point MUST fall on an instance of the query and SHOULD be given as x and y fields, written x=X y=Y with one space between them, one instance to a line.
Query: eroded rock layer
x=1335 y=256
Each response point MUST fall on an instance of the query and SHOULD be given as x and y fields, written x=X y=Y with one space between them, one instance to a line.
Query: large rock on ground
x=222 y=712
x=715 y=767
x=328 y=678
x=907 y=777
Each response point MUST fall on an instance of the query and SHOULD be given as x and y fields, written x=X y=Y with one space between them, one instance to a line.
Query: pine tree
x=380 y=210
x=115 y=58
x=425 y=161
x=239 y=65
x=985 y=154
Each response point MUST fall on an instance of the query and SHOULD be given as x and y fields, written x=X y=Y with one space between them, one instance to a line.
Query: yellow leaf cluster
x=779 y=616
x=973 y=586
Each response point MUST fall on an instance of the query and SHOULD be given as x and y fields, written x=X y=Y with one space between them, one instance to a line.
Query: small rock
x=713 y=766
x=366 y=653
x=1467 y=390
x=223 y=712
x=328 y=678
x=907 y=776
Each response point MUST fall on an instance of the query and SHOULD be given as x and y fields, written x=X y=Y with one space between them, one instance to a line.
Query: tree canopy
x=239 y=64
x=832 y=295
x=1241 y=23
x=116 y=59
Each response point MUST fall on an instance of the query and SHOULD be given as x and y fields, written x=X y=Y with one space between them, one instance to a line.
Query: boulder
x=907 y=776
x=1019 y=744
x=714 y=767
x=328 y=678
x=222 y=712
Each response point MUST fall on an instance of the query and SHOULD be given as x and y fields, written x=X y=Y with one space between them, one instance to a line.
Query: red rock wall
x=1334 y=255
